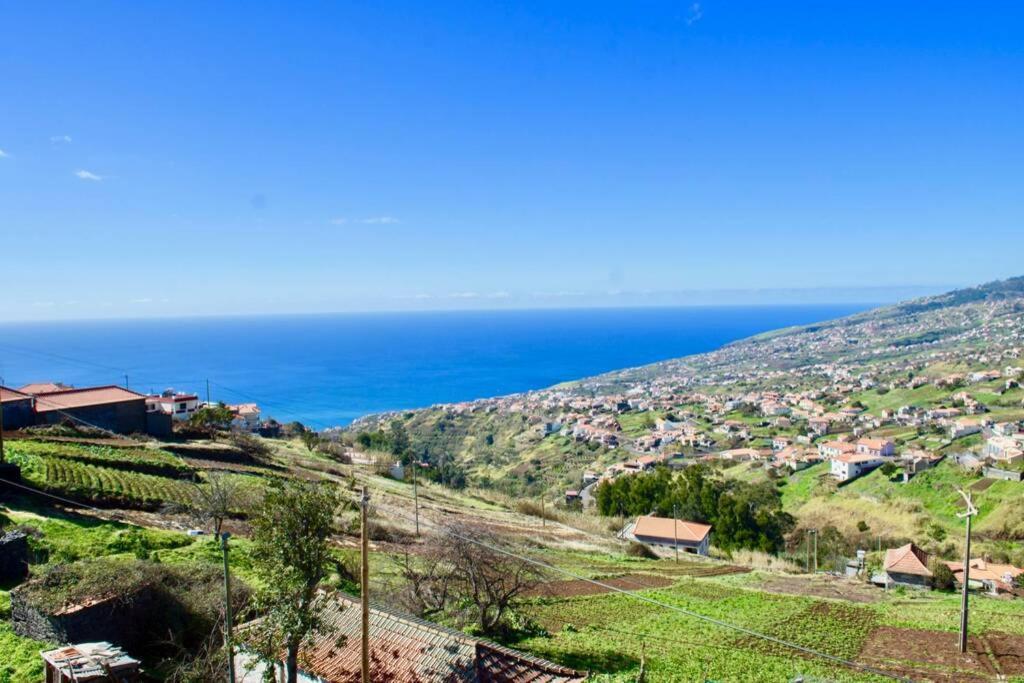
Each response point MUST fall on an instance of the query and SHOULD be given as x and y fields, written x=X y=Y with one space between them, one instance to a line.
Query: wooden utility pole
x=966 y=515
x=416 y=494
x=814 y=532
x=364 y=584
x=228 y=644
x=1 y=429
x=675 y=529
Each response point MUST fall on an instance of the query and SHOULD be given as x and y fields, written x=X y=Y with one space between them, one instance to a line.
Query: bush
x=636 y=549
x=942 y=576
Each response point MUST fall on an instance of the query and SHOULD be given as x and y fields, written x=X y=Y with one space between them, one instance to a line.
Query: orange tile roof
x=985 y=571
x=80 y=398
x=43 y=387
x=907 y=559
x=12 y=395
x=661 y=527
x=406 y=649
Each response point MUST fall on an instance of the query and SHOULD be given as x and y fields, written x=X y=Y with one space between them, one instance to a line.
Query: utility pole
x=814 y=532
x=1 y=429
x=415 y=493
x=675 y=529
x=807 y=552
x=227 y=608
x=207 y=392
x=364 y=585
x=966 y=515
x=126 y=381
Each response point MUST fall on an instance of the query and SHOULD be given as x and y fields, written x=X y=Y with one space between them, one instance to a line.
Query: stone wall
x=13 y=557
x=121 y=620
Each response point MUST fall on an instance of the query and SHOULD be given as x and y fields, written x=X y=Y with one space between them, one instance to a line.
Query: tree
x=215 y=500
x=469 y=566
x=210 y=418
x=291 y=557
x=491 y=580
x=888 y=469
x=398 y=439
x=310 y=440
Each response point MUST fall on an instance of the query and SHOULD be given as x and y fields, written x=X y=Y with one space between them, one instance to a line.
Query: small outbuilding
x=90 y=663
x=690 y=537
x=907 y=566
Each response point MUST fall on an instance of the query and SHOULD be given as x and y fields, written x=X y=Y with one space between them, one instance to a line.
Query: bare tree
x=216 y=499
x=468 y=564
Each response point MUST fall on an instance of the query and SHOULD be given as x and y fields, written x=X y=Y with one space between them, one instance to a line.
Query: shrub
x=942 y=576
x=636 y=549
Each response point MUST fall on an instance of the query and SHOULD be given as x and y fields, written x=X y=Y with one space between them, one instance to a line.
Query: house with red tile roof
x=406 y=649
x=907 y=566
x=111 y=407
x=993 y=576
x=691 y=537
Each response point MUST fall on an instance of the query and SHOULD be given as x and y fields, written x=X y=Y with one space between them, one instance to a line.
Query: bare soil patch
x=578 y=587
x=982 y=484
x=822 y=587
x=933 y=655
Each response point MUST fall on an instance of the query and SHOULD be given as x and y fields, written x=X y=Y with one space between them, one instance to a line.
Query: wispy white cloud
x=696 y=13
x=338 y=221
x=88 y=175
x=144 y=300
x=60 y=139
x=3 y=154
x=380 y=220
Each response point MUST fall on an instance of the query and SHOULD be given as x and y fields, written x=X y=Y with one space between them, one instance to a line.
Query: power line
x=50 y=495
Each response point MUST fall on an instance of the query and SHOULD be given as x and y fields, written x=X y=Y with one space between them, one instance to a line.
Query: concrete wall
x=18 y=414
x=126 y=417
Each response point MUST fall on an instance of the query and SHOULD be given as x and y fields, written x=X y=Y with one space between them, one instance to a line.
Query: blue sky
x=205 y=158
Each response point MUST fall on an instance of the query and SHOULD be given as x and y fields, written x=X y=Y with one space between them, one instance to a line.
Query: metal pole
x=364 y=586
x=807 y=551
x=207 y=392
x=227 y=608
x=963 y=597
x=126 y=381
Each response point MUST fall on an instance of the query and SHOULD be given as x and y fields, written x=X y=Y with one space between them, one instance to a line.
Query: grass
x=611 y=633
x=19 y=657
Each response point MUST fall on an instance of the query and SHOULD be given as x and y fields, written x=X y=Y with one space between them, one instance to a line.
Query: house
x=90 y=663
x=404 y=649
x=907 y=566
x=964 y=427
x=1004 y=449
x=833 y=449
x=849 y=466
x=17 y=409
x=780 y=442
x=572 y=496
x=818 y=425
x=879 y=448
x=993 y=577
x=691 y=537
x=179 y=406
x=111 y=407
x=246 y=416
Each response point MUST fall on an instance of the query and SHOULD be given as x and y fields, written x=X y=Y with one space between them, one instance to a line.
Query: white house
x=178 y=406
x=851 y=465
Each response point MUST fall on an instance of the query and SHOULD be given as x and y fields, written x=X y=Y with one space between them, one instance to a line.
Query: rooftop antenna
x=966 y=515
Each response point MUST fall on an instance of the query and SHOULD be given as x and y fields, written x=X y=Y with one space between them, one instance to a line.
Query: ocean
x=326 y=370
